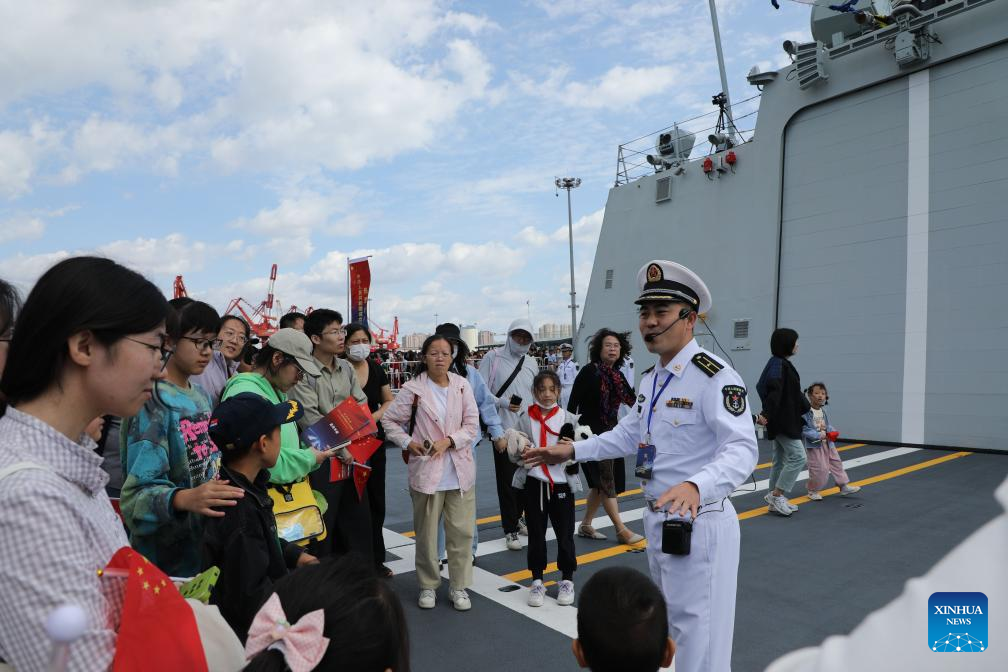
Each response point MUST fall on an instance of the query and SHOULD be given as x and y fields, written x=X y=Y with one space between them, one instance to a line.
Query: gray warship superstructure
x=865 y=209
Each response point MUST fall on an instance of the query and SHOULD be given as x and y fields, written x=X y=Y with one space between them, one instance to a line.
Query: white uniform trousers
x=699 y=588
x=565 y=391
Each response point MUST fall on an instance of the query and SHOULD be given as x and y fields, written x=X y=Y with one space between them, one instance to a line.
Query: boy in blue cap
x=244 y=544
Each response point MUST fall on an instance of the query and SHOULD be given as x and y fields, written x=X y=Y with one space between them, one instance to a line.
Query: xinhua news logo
x=957 y=622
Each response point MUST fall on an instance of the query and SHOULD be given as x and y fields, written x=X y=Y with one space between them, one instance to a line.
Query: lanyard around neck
x=654 y=400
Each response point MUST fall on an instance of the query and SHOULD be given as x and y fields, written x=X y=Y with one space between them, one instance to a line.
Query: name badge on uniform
x=645 y=461
x=679 y=402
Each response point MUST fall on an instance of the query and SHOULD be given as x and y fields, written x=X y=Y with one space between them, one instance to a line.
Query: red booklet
x=340 y=426
x=362 y=449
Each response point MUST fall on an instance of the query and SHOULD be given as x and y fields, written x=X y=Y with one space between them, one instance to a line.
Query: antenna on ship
x=725 y=107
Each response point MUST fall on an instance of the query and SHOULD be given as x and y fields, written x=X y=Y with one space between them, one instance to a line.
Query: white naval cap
x=664 y=281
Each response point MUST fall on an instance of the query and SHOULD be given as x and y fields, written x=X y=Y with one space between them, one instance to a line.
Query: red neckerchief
x=536 y=414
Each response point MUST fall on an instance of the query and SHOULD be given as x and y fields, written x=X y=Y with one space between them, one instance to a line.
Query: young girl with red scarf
x=549 y=491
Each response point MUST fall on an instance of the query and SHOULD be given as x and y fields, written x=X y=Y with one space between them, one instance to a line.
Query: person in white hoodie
x=509 y=371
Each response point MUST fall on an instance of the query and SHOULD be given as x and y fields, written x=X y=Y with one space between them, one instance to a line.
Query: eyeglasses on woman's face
x=162 y=352
x=232 y=335
x=301 y=373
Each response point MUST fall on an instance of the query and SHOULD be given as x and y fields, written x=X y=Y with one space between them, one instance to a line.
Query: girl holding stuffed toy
x=548 y=489
x=819 y=436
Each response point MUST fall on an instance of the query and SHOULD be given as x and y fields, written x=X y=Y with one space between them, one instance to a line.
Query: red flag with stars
x=361 y=473
x=157 y=630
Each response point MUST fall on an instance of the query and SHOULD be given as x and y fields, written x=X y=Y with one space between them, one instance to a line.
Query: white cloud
x=586 y=232
x=23 y=270
x=21 y=154
x=172 y=255
x=21 y=227
x=620 y=87
x=261 y=86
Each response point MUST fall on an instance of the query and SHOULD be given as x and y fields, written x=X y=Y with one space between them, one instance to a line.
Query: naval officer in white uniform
x=567 y=370
x=691 y=430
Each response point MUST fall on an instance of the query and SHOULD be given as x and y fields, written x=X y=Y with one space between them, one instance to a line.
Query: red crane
x=180 y=290
x=390 y=342
x=260 y=318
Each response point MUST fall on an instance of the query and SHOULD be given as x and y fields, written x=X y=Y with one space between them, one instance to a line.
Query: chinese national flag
x=360 y=478
x=362 y=449
x=158 y=629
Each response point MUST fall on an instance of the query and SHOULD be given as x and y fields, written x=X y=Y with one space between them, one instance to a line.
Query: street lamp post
x=569 y=183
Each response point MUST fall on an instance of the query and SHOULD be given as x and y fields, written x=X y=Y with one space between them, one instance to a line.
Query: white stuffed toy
x=518 y=442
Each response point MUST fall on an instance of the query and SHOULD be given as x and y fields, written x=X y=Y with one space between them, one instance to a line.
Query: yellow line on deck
x=628 y=493
x=524 y=574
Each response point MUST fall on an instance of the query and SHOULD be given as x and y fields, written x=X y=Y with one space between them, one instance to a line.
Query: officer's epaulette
x=707 y=364
x=648 y=370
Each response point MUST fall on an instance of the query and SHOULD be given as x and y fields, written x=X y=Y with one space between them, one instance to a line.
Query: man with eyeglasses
x=348 y=520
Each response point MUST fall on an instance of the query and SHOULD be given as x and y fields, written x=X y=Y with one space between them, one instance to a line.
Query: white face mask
x=516 y=349
x=358 y=352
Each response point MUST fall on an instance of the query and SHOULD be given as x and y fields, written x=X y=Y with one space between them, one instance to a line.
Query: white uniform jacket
x=567 y=370
x=701 y=428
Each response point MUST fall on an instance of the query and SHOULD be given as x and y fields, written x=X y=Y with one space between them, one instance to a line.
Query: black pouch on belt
x=676 y=535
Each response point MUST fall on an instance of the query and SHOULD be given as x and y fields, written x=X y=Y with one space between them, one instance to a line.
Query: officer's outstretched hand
x=561 y=451
x=682 y=499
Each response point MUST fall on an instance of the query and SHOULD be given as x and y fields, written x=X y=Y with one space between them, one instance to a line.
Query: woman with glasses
x=233 y=335
x=169 y=462
x=276 y=368
x=88 y=343
x=436 y=419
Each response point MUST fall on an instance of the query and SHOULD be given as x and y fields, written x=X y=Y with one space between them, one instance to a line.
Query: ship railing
x=631 y=159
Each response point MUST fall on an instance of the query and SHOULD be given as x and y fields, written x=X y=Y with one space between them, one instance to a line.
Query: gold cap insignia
x=654 y=273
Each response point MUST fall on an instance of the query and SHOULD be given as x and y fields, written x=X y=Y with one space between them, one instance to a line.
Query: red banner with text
x=360 y=285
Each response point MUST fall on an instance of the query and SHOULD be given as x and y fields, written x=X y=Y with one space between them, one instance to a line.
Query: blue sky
x=212 y=139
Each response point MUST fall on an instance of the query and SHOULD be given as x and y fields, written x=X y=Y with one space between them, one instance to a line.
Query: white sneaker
x=427 y=598
x=766 y=498
x=780 y=505
x=565 y=596
x=814 y=496
x=522 y=527
x=513 y=543
x=847 y=489
x=460 y=600
x=537 y=593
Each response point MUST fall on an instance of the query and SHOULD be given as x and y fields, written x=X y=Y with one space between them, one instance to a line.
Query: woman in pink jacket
x=435 y=418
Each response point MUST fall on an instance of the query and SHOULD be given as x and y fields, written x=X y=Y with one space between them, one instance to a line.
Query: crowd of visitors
x=205 y=428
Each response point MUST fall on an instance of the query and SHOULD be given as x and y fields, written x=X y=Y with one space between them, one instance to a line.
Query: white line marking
x=918 y=204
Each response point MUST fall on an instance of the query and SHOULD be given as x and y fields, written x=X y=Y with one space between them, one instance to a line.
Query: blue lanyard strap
x=654 y=399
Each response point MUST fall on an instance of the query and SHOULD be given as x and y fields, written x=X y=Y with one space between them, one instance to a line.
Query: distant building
x=414 y=341
x=486 y=337
x=470 y=336
x=552 y=331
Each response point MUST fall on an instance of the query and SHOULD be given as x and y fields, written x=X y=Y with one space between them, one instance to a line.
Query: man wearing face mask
x=347 y=519
x=509 y=371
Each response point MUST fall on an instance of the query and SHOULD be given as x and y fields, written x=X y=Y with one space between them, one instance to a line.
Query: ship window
x=741 y=329
x=608 y=278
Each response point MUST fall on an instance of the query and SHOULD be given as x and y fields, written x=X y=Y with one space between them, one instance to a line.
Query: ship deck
x=801 y=579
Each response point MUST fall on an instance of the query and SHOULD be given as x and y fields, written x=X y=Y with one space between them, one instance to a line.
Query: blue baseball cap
x=240 y=420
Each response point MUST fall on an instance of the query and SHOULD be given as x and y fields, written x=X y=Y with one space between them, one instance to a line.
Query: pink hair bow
x=301 y=644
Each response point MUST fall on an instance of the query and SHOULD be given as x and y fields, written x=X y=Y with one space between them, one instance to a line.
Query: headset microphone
x=683 y=314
